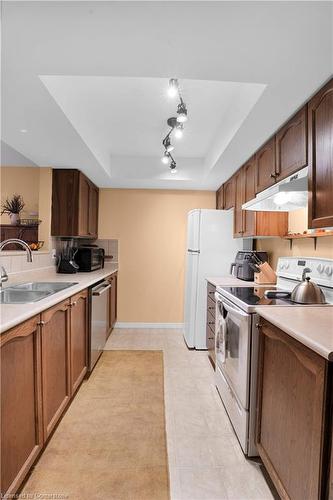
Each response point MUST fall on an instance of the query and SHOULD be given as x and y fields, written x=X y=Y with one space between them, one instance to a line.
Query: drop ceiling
x=88 y=80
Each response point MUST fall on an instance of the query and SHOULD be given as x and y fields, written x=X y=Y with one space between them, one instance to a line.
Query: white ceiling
x=88 y=81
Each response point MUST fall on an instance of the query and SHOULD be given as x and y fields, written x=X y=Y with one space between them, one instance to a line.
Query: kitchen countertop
x=13 y=314
x=229 y=280
x=310 y=325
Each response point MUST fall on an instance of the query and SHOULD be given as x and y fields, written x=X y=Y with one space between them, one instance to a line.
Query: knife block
x=266 y=276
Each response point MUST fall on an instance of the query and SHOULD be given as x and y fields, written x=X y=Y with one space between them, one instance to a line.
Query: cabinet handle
x=211 y=322
x=274 y=176
x=211 y=338
x=41 y=323
x=258 y=325
x=73 y=304
x=211 y=307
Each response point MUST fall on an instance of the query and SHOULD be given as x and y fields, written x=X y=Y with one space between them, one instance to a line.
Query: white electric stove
x=236 y=338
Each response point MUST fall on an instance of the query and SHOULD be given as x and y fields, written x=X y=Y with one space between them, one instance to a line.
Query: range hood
x=285 y=196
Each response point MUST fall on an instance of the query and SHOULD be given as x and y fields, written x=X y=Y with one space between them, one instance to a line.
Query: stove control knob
x=328 y=270
x=320 y=268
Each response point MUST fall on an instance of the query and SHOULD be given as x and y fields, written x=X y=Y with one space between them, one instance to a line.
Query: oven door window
x=233 y=348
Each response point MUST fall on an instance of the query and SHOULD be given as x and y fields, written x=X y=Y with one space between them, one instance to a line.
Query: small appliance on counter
x=90 y=258
x=244 y=266
x=66 y=263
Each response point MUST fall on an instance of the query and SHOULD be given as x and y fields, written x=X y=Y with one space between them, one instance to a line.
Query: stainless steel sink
x=26 y=293
x=12 y=296
x=43 y=286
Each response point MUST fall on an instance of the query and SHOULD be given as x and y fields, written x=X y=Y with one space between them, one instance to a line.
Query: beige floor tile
x=202 y=483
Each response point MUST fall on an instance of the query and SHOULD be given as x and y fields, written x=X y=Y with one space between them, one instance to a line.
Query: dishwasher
x=99 y=320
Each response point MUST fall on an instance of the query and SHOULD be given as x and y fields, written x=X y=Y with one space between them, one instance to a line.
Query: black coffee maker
x=244 y=265
x=66 y=263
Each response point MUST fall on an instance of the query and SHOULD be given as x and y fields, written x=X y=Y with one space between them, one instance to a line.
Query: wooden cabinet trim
x=47 y=315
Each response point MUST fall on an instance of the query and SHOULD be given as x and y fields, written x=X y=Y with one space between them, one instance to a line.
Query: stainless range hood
x=285 y=196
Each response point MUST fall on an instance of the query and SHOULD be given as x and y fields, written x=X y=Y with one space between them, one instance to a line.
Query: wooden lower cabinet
x=210 y=322
x=56 y=377
x=79 y=338
x=291 y=414
x=21 y=403
x=113 y=280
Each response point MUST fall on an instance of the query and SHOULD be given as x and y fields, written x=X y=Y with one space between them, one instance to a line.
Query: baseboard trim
x=170 y=326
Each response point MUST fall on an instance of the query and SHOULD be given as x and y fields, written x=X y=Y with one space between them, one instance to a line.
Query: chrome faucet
x=24 y=245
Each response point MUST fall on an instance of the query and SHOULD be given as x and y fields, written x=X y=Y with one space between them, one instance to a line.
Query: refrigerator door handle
x=190 y=250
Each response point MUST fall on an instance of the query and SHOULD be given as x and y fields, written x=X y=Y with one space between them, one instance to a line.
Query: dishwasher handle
x=102 y=288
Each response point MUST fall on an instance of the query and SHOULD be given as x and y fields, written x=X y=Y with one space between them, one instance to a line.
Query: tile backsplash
x=17 y=262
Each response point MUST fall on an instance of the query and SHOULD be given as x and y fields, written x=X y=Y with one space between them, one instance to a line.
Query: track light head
x=165 y=158
x=167 y=144
x=173 y=87
x=179 y=131
x=182 y=113
x=173 y=166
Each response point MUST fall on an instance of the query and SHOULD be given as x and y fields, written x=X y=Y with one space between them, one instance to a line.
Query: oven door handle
x=237 y=312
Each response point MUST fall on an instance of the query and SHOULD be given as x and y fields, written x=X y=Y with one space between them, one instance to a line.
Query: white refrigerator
x=211 y=249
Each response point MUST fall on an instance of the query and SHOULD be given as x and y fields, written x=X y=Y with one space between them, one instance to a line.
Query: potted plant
x=13 y=207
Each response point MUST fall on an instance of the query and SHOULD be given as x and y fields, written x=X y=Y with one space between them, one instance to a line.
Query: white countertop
x=13 y=314
x=310 y=325
x=229 y=280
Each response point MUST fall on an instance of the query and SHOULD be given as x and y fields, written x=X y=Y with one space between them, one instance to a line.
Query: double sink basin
x=26 y=293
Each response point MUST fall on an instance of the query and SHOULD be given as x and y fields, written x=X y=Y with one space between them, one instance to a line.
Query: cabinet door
x=219 y=199
x=56 y=386
x=21 y=409
x=113 y=303
x=84 y=200
x=291 y=413
x=291 y=145
x=65 y=202
x=320 y=123
x=229 y=194
x=93 y=211
x=79 y=338
x=249 y=169
x=265 y=166
x=239 y=200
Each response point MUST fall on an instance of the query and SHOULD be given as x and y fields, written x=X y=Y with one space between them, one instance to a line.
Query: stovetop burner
x=255 y=296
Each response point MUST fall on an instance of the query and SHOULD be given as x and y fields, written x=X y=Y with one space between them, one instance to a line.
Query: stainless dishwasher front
x=99 y=315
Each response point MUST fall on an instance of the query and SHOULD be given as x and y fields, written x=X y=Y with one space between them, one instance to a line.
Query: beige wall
x=278 y=247
x=23 y=181
x=151 y=228
x=35 y=186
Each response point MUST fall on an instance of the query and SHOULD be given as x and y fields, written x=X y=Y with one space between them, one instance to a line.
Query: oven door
x=233 y=347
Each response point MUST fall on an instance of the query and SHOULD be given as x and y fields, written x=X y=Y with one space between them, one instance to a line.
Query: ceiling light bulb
x=167 y=144
x=182 y=113
x=170 y=148
x=179 y=131
x=165 y=158
x=173 y=87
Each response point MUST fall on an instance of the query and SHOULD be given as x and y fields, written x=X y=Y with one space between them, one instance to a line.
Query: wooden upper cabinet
x=239 y=200
x=21 y=404
x=79 y=338
x=56 y=361
x=229 y=193
x=291 y=414
x=291 y=145
x=219 y=198
x=265 y=166
x=250 y=179
x=74 y=204
x=320 y=134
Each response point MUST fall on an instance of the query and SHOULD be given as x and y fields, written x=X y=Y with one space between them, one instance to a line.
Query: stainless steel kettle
x=306 y=292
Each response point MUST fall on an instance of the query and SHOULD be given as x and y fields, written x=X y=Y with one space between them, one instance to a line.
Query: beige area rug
x=111 y=443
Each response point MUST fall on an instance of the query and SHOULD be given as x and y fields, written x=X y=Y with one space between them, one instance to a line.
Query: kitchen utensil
x=306 y=292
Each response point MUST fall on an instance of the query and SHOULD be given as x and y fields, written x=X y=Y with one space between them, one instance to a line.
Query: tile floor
x=205 y=459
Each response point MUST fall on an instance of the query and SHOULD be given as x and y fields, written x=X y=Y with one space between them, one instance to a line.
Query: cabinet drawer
x=211 y=305
x=211 y=321
x=211 y=291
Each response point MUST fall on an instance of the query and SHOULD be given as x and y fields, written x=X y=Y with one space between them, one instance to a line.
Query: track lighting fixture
x=176 y=124
x=173 y=87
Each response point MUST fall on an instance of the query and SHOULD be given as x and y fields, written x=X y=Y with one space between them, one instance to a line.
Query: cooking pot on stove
x=306 y=292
